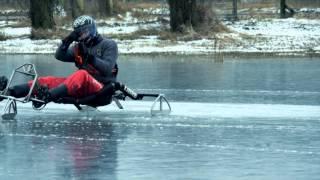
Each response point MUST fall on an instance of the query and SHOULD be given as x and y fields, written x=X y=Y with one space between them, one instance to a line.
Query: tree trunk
x=191 y=15
x=105 y=7
x=109 y=7
x=181 y=14
x=41 y=14
x=285 y=10
x=282 y=8
x=77 y=8
x=234 y=10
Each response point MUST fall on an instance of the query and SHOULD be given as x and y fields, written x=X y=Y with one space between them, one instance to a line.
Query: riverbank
x=268 y=36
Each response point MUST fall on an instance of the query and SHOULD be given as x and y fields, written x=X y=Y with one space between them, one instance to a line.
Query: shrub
x=3 y=36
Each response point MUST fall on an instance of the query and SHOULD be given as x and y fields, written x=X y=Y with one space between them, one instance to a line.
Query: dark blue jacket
x=104 y=54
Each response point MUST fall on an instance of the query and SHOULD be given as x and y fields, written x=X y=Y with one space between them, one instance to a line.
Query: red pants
x=79 y=84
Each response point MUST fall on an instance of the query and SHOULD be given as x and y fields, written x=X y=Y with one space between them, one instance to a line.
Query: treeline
x=185 y=16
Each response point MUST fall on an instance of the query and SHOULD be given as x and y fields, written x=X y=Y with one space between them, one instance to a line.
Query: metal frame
x=26 y=69
x=10 y=109
x=161 y=99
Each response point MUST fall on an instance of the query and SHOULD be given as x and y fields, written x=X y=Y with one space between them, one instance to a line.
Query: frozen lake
x=256 y=118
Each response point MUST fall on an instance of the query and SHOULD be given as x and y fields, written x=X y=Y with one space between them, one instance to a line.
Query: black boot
x=3 y=82
x=42 y=93
x=53 y=94
x=58 y=92
x=19 y=91
x=46 y=95
x=3 y=85
x=126 y=91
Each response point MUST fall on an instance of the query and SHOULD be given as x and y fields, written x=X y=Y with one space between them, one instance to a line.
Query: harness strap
x=80 y=64
x=78 y=57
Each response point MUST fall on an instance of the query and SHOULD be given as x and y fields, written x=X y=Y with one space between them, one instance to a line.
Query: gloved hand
x=73 y=36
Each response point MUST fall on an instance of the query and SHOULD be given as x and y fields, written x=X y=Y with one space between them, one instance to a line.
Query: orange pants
x=79 y=84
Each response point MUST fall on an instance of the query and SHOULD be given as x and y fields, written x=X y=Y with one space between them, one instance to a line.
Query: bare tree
x=105 y=7
x=187 y=15
x=181 y=12
x=41 y=14
x=235 y=10
x=282 y=8
x=285 y=10
x=77 y=8
x=109 y=7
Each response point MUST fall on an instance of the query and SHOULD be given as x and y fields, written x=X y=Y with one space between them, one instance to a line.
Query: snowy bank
x=267 y=36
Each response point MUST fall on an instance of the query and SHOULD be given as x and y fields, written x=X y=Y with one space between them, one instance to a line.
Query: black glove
x=73 y=36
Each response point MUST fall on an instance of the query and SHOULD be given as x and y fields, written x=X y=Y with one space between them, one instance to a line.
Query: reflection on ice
x=244 y=113
x=109 y=143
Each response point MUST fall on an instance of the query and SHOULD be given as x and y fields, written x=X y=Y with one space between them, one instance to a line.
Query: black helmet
x=85 y=27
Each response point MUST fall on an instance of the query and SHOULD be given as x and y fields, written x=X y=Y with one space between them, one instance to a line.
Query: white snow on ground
x=162 y=46
x=16 y=32
x=279 y=35
x=317 y=10
x=126 y=28
x=28 y=46
x=282 y=36
x=277 y=27
x=117 y=30
x=126 y=24
x=7 y=23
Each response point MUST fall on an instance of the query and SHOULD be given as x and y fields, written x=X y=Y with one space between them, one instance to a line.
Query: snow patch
x=258 y=36
x=16 y=32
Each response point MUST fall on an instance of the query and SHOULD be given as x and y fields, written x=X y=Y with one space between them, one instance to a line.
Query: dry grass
x=123 y=36
x=208 y=31
x=63 y=21
x=148 y=32
x=251 y=5
x=121 y=7
x=304 y=3
x=143 y=15
x=213 y=29
x=144 y=5
x=169 y=35
x=163 y=34
x=276 y=3
x=177 y=36
x=136 y=35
